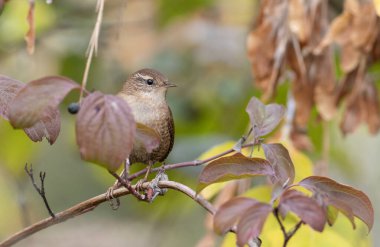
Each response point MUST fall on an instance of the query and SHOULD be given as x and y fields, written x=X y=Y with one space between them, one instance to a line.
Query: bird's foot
x=153 y=189
x=113 y=201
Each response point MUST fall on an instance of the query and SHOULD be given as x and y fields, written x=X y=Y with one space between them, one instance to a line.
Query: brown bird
x=145 y=92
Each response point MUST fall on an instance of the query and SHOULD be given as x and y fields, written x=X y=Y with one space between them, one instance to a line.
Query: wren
x=145 y=92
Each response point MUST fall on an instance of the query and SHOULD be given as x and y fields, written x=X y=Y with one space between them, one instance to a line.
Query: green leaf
x=233 y=167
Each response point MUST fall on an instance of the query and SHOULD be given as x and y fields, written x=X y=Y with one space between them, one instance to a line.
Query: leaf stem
x=287 y=235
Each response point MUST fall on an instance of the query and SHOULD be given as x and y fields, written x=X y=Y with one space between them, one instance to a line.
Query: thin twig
x=41 y=189
x=287 y=235
x=127 y=184
x=188 y=163
x=92 y=203
x=93 y=45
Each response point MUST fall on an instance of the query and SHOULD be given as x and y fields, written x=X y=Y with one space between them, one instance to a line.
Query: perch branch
x=188 y=163
x=92 y=203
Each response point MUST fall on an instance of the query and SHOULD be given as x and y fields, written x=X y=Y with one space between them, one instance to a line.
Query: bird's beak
x=169 y=84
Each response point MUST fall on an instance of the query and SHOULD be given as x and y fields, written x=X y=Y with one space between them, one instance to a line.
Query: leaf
x=264 y=118
x=305 y=207
x=230 y=212
x=49 y=127
x=8 y=89
x=30 y=36
x=345 y=198
x=38 y=99
x=252 y=222
x=232 y=167
x=105 y=130
x=147 y=136
x=278 y=157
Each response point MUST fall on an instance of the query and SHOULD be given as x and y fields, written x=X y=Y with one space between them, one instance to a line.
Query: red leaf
x=252 y=222
x=38 y=99
x=305 y=207
x=264 y=118
x=30 y=36
x=230 y=212
x=278 y=157
x=147 y=137
x=105 y=130
x=48 y=127
x=232 y=167
x=346 y=199
x=8 y=90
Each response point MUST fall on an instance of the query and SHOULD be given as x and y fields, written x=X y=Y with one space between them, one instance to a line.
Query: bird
x=145 y=92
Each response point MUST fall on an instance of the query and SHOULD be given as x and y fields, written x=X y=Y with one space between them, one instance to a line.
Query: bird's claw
x=153 y=189
x=113 y=201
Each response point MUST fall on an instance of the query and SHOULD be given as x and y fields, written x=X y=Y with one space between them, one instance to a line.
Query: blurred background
x=201 y=46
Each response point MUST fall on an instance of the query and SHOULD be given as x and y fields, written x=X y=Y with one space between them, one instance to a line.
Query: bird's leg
x=109 y=194
x=141 y=181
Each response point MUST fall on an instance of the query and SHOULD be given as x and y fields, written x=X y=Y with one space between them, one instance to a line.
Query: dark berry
x=73 y=108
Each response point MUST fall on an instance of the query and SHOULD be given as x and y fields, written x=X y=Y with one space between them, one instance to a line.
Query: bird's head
x=147 y=83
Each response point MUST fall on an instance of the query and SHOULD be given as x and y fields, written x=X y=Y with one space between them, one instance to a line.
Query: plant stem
x=287 y=235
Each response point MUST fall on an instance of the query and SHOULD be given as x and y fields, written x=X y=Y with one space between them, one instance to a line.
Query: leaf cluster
x=247 y=216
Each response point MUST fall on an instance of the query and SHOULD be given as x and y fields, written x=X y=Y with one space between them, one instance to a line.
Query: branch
x=290 y=234
x=189 y=163
x=92 y=203
x=40 y=190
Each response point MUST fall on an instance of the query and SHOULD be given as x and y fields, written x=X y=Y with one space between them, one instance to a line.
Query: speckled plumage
x=149 y=107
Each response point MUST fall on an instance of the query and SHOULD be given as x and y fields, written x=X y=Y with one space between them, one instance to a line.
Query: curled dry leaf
x=309 y=211
x=38 y=99
x=147 y=137
x=105 y=130
x=233 y=167
x=230 y=213
x=252 y=222
x=346 y=199
x=264 y=118
x=278 y=157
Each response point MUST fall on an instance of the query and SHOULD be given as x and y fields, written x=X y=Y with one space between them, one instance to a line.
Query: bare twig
x=93 y=45
x=41 y=189
x=92 y=203
x=188 y=163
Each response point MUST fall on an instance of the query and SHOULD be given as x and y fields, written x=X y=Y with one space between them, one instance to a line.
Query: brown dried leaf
x=37 y=99
x=309 y=211
x=232 y=167
x=343 y=197
x=252 y=222
x=105 y=130
x=8 y=90
x=30 y=36
x=147 y=136
x=230 y=213
x=264 y=118
x=278 y=157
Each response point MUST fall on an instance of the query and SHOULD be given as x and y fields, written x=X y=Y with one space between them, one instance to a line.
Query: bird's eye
x=150 y=81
